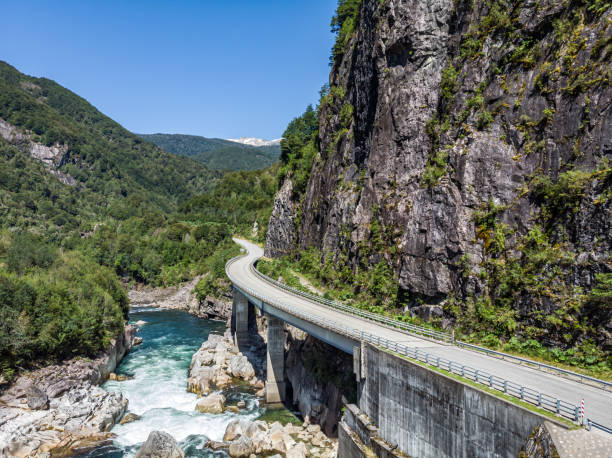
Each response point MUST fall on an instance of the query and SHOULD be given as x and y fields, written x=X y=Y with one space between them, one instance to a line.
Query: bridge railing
x=436 y=335
x=407 y=327
x=540 y=366
x=542 y=400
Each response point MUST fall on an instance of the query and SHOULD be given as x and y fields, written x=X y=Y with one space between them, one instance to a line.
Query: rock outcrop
x=281 y=235
x=213 y=403
x=460 y=138
x=244 y=437
x=60 y=408
x=51 y=156
x=218 y=362
x=160 y=445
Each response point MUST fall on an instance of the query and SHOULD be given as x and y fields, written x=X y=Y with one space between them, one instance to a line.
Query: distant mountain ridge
x=217 y=153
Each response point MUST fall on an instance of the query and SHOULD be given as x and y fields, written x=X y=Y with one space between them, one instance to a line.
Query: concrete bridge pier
x=275 y=380
x=240 y=316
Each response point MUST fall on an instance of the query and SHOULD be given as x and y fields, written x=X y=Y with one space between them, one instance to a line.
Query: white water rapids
x=157 y=391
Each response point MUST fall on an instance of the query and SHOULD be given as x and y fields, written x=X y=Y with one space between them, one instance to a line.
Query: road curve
x=598 y=403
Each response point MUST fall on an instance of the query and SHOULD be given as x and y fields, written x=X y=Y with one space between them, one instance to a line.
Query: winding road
x=598 y=402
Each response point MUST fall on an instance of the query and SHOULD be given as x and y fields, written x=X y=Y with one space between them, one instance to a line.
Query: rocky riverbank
x=219 y=365
x=60 y=409
x=183 y=298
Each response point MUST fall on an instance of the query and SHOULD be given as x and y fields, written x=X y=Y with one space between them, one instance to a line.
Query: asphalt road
x=598 y=403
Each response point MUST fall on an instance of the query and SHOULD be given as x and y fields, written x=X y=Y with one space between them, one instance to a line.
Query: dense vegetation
x=100 y=155
x=216 y=153
x=299 y=148
x=54 y=304
x=343 y=24
x=134 y=214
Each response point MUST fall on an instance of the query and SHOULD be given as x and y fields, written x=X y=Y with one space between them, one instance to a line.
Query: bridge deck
x=598 y=403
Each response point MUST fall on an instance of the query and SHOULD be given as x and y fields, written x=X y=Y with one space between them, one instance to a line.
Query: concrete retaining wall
x=426 y=414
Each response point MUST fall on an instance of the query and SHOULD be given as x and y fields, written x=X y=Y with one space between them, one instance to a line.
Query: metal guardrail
x=542 y=400
x=410 y=328
x=591 y=424
x=437 y=335
x=605 y=385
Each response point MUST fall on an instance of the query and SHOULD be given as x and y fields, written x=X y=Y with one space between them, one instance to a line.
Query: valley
x=419 y=266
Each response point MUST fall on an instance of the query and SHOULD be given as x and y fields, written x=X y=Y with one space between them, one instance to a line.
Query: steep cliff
x=465 y=144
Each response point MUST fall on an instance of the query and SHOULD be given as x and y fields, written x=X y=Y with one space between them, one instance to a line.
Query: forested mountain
x=84 y=206
x=90 y=147
x=216 y=153
x=458 y=171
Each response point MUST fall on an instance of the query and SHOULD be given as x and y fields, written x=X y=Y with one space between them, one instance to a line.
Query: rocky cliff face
x=477 y=135
x=51 y=156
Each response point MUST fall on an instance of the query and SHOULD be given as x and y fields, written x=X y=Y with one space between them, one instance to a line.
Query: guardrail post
x=505 y=386
x=522 y=391
x=558 y=406
x=539 y=399
x=490 y=381
x=438 y=362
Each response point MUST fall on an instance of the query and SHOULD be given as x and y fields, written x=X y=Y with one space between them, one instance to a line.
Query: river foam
x=157 y=391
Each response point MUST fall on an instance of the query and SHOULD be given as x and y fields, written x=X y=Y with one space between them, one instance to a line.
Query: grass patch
x=281 y=414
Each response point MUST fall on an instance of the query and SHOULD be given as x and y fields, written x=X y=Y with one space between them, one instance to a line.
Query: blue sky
x=213 y=68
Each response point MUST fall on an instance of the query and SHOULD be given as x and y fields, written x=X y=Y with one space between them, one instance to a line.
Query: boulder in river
x=241 y=367
x=160 y=445
x=129 y=418
x=243 y=447
x=214 y=403
x=235 y=429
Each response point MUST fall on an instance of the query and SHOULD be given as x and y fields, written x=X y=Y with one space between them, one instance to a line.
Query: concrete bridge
x=380 y=378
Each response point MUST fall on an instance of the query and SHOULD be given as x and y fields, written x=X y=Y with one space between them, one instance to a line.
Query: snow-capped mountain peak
x=255 y=141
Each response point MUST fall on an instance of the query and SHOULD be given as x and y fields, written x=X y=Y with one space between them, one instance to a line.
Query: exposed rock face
x=160 y=445
x=428 y=147
x=65 y=409
x=280 y=238
x=50 y=156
